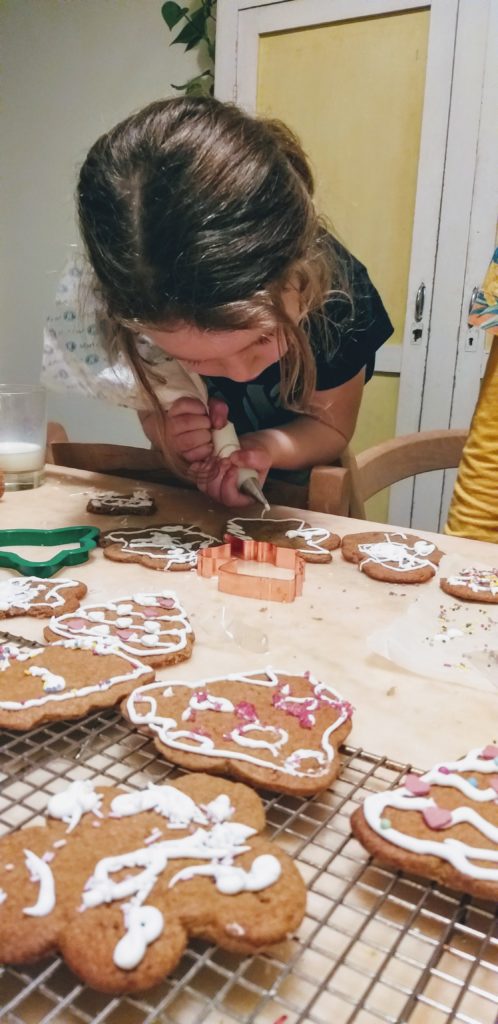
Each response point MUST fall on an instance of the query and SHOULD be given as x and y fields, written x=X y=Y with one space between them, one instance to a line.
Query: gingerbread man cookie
x=151 y=627
x=272 y=729
x=31 y=595
x=117 y=881
x=392 y=557
x=442 y=825
x=61 y=681
x=163 y=547
x=113 y=503
x=314 y=543
x=473 y=585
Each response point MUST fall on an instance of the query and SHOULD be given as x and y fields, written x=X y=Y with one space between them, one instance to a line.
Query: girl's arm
x=316 y=438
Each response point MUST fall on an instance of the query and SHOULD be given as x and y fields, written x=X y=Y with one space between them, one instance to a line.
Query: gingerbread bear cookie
x=168 y=546
x=113 y=503
x=314 y=543
x=151 y=627
x=473 y=585
x=31 y=595
x=63 y=680
x=272 y=729
x=442 y=825
x=117 y=881
x=392 y=557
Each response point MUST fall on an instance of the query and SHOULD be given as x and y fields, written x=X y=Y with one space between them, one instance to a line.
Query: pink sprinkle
x=166 y=602
x=444 y=770
x=437 y=817
x=76 y=623
x=151 y=613
x=490 y=752
x=48 y=856
x=124 y=634
x=416 y=785
x=201 y=695
x=244 y=709
x=95 y=824
x=9 y=867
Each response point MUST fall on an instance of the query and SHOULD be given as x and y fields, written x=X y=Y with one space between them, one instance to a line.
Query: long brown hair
x=192 y=211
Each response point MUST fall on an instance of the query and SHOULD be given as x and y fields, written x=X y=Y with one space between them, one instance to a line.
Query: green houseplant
x=197 y=31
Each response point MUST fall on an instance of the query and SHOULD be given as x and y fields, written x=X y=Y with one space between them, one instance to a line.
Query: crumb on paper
x=391 y=691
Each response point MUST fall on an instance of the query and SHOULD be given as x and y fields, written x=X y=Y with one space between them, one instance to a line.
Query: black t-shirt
x=344 y=337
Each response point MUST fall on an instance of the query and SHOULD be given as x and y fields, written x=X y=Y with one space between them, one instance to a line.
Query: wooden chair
x=343 y=490
x=113 y=459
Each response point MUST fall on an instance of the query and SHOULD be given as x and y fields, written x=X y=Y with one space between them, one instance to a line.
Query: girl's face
x=239 y=355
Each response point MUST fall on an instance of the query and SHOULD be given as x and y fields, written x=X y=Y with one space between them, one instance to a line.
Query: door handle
x=420 y=302
x=473 y=297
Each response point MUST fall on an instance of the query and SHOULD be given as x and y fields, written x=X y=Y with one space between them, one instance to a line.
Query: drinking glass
x=23 y=431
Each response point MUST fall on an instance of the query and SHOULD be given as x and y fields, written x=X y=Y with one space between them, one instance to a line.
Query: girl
x=204 y=245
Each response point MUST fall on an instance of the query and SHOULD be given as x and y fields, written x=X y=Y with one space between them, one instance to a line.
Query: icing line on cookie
x=460 y=855
x=81 y=643
x=313 y=536
x=40 y=872
x=143 y=633
x=21 y=592
x=176 y=550
x=398 y=557
x=201 y=743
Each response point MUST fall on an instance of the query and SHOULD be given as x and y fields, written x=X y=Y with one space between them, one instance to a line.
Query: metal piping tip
x=253 y=490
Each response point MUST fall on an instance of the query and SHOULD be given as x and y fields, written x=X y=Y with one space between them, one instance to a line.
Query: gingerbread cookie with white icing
x=31 y=595
x=151 y=627
x=442 y=825
x=117 y=881
x=272 y=729
x=314 y=543
x=167 y=546
x=392 y=557
x=473 y=585
x=112 y=503
x=62 y=681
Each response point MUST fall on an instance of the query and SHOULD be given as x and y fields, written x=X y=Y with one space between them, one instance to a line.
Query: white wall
x=70 y=70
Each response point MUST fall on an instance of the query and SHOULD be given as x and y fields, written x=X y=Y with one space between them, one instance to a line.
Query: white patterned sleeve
x=74 y=354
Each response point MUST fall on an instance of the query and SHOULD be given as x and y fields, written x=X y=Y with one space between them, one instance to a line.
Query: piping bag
x=180 y=383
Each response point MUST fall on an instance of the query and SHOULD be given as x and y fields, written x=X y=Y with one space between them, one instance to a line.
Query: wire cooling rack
x=374 y=945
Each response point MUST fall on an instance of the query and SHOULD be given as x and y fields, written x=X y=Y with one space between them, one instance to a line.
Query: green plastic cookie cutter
x=85 y=537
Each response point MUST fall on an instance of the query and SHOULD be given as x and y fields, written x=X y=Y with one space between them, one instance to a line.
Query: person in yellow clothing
x=474 y=506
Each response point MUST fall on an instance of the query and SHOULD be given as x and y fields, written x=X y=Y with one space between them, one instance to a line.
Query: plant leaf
x=173 y=13
x=194 y=31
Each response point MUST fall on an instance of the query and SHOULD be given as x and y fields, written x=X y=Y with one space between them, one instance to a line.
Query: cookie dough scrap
x=31 y=595
x=117 y=881
x=473 y=585
x=168 y=546
x=314 y=543
x=442 y=825
x=151 y=627
x=62 y=681
x=392 y=557
x=273 y=729
x=112 y=503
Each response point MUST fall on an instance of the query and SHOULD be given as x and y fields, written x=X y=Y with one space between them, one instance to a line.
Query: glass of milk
x=23 y=431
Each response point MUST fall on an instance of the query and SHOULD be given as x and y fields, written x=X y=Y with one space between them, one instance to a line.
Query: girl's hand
x=218 y=478
x=189 y=427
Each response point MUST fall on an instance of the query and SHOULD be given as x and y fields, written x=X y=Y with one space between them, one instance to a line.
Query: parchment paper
x=442 y=637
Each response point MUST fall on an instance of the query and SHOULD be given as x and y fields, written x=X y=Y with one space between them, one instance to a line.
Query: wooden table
x=398 y=713
x=372 y=947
